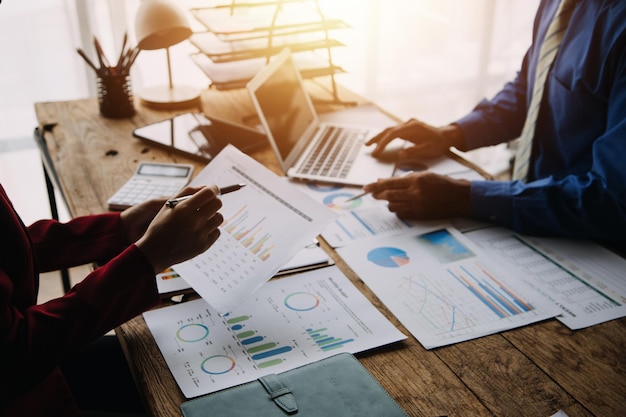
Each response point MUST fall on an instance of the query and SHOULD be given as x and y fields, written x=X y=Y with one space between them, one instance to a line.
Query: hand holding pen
x=175 y=235
x=171 y=203
x=364 y=193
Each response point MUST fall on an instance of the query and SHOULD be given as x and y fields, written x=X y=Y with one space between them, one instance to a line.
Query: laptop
x=306 y=148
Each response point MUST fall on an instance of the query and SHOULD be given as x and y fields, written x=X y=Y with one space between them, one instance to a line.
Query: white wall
x=431 y=59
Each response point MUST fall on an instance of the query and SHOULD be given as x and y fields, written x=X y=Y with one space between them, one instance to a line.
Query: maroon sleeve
x=80 y=241
x=36 y=337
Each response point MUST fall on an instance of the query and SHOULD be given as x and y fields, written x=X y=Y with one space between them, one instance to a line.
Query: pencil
x=171 y=203
x=102 y=59
x=118 y=64
x=87 y=60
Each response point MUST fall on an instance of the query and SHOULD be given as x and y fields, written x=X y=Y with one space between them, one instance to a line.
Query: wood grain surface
x=531 y=371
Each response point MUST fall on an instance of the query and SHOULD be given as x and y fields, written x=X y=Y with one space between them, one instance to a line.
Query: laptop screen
x=285 y=107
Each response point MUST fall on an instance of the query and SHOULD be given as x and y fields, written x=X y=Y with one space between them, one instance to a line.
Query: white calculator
x=151 y=179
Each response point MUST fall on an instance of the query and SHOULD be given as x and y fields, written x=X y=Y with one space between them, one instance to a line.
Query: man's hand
x=424 y=196
x=428 y=141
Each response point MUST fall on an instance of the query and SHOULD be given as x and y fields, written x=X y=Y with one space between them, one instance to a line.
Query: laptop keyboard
x=335 y=152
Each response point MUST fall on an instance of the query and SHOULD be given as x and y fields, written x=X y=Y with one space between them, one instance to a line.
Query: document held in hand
x=265 y=224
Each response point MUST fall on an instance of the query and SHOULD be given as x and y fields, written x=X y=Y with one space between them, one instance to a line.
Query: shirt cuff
x=491 y=201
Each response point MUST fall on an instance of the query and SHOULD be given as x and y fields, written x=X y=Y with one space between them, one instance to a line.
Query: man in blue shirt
x=576 y=183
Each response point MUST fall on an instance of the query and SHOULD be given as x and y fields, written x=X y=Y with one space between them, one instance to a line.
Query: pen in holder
x=115 y=96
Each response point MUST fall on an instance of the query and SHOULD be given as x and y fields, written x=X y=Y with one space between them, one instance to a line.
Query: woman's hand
x=178 y=233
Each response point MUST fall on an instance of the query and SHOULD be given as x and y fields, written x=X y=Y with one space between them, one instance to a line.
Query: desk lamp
x=159 y=24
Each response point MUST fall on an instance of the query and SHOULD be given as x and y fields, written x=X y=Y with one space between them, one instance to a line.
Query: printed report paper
x=365 y=217
x=288 y=322
x=443 y=288
x=585 y=280
x=265 y=224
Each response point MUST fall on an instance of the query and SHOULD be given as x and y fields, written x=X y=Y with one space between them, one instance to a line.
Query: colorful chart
x=169 y=273
x=301 y=301
x=446 y=307
x=193 y=332
x=388 y=257
x=444 y=247
x=263 y=352
x=432 y=304
x=337 y=201
x=249 y=233
x=326 y=342
x=218 y=364
x=490 y=291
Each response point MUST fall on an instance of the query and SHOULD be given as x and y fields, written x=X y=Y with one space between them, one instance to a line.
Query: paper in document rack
x=265 y=224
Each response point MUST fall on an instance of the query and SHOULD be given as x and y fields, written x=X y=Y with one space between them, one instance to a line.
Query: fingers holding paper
x=184 y=231
x=424 y=196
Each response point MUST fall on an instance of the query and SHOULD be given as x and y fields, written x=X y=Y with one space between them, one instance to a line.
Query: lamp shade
x=160 y=24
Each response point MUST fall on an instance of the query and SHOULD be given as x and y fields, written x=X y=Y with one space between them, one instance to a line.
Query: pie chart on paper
x=388 y=257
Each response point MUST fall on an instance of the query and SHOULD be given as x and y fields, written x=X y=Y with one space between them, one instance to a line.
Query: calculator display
x=163 y=170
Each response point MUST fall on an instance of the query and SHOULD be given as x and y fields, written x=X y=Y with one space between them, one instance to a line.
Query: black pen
x=171 y=203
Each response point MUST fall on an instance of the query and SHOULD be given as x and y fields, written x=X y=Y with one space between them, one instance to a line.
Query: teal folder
x=332 y=387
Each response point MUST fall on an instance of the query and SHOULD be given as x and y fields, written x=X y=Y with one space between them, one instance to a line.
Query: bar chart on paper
x=582 y=278
x=263 y=352
x=471 y=298
x=326 y=342
x=289 y=322
x=442 y=288
x=251 y=233
x=265 y=224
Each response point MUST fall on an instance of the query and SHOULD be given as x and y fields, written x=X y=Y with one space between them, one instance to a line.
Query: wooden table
x=531 y=371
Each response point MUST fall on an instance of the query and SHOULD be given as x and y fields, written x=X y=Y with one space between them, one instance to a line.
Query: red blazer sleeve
x=80 y=241
x=35 y=338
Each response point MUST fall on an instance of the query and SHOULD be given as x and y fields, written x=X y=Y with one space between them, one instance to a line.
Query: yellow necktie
x=548 y=52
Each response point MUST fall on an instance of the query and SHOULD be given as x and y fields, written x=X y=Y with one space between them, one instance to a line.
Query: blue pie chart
x=388 y=257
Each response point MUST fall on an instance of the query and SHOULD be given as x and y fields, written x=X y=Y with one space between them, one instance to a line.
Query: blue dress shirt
x=576 y=183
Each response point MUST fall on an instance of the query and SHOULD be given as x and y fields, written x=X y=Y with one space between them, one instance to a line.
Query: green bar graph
x=267 y=364
x=243 y=335
x=262 y=347
x=237 y=319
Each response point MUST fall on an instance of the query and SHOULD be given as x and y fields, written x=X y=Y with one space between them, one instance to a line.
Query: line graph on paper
x=467 y=296
x=433 y=305
x=443 y=288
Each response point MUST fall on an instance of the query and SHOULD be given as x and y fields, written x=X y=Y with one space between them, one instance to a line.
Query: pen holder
x=115 y=96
